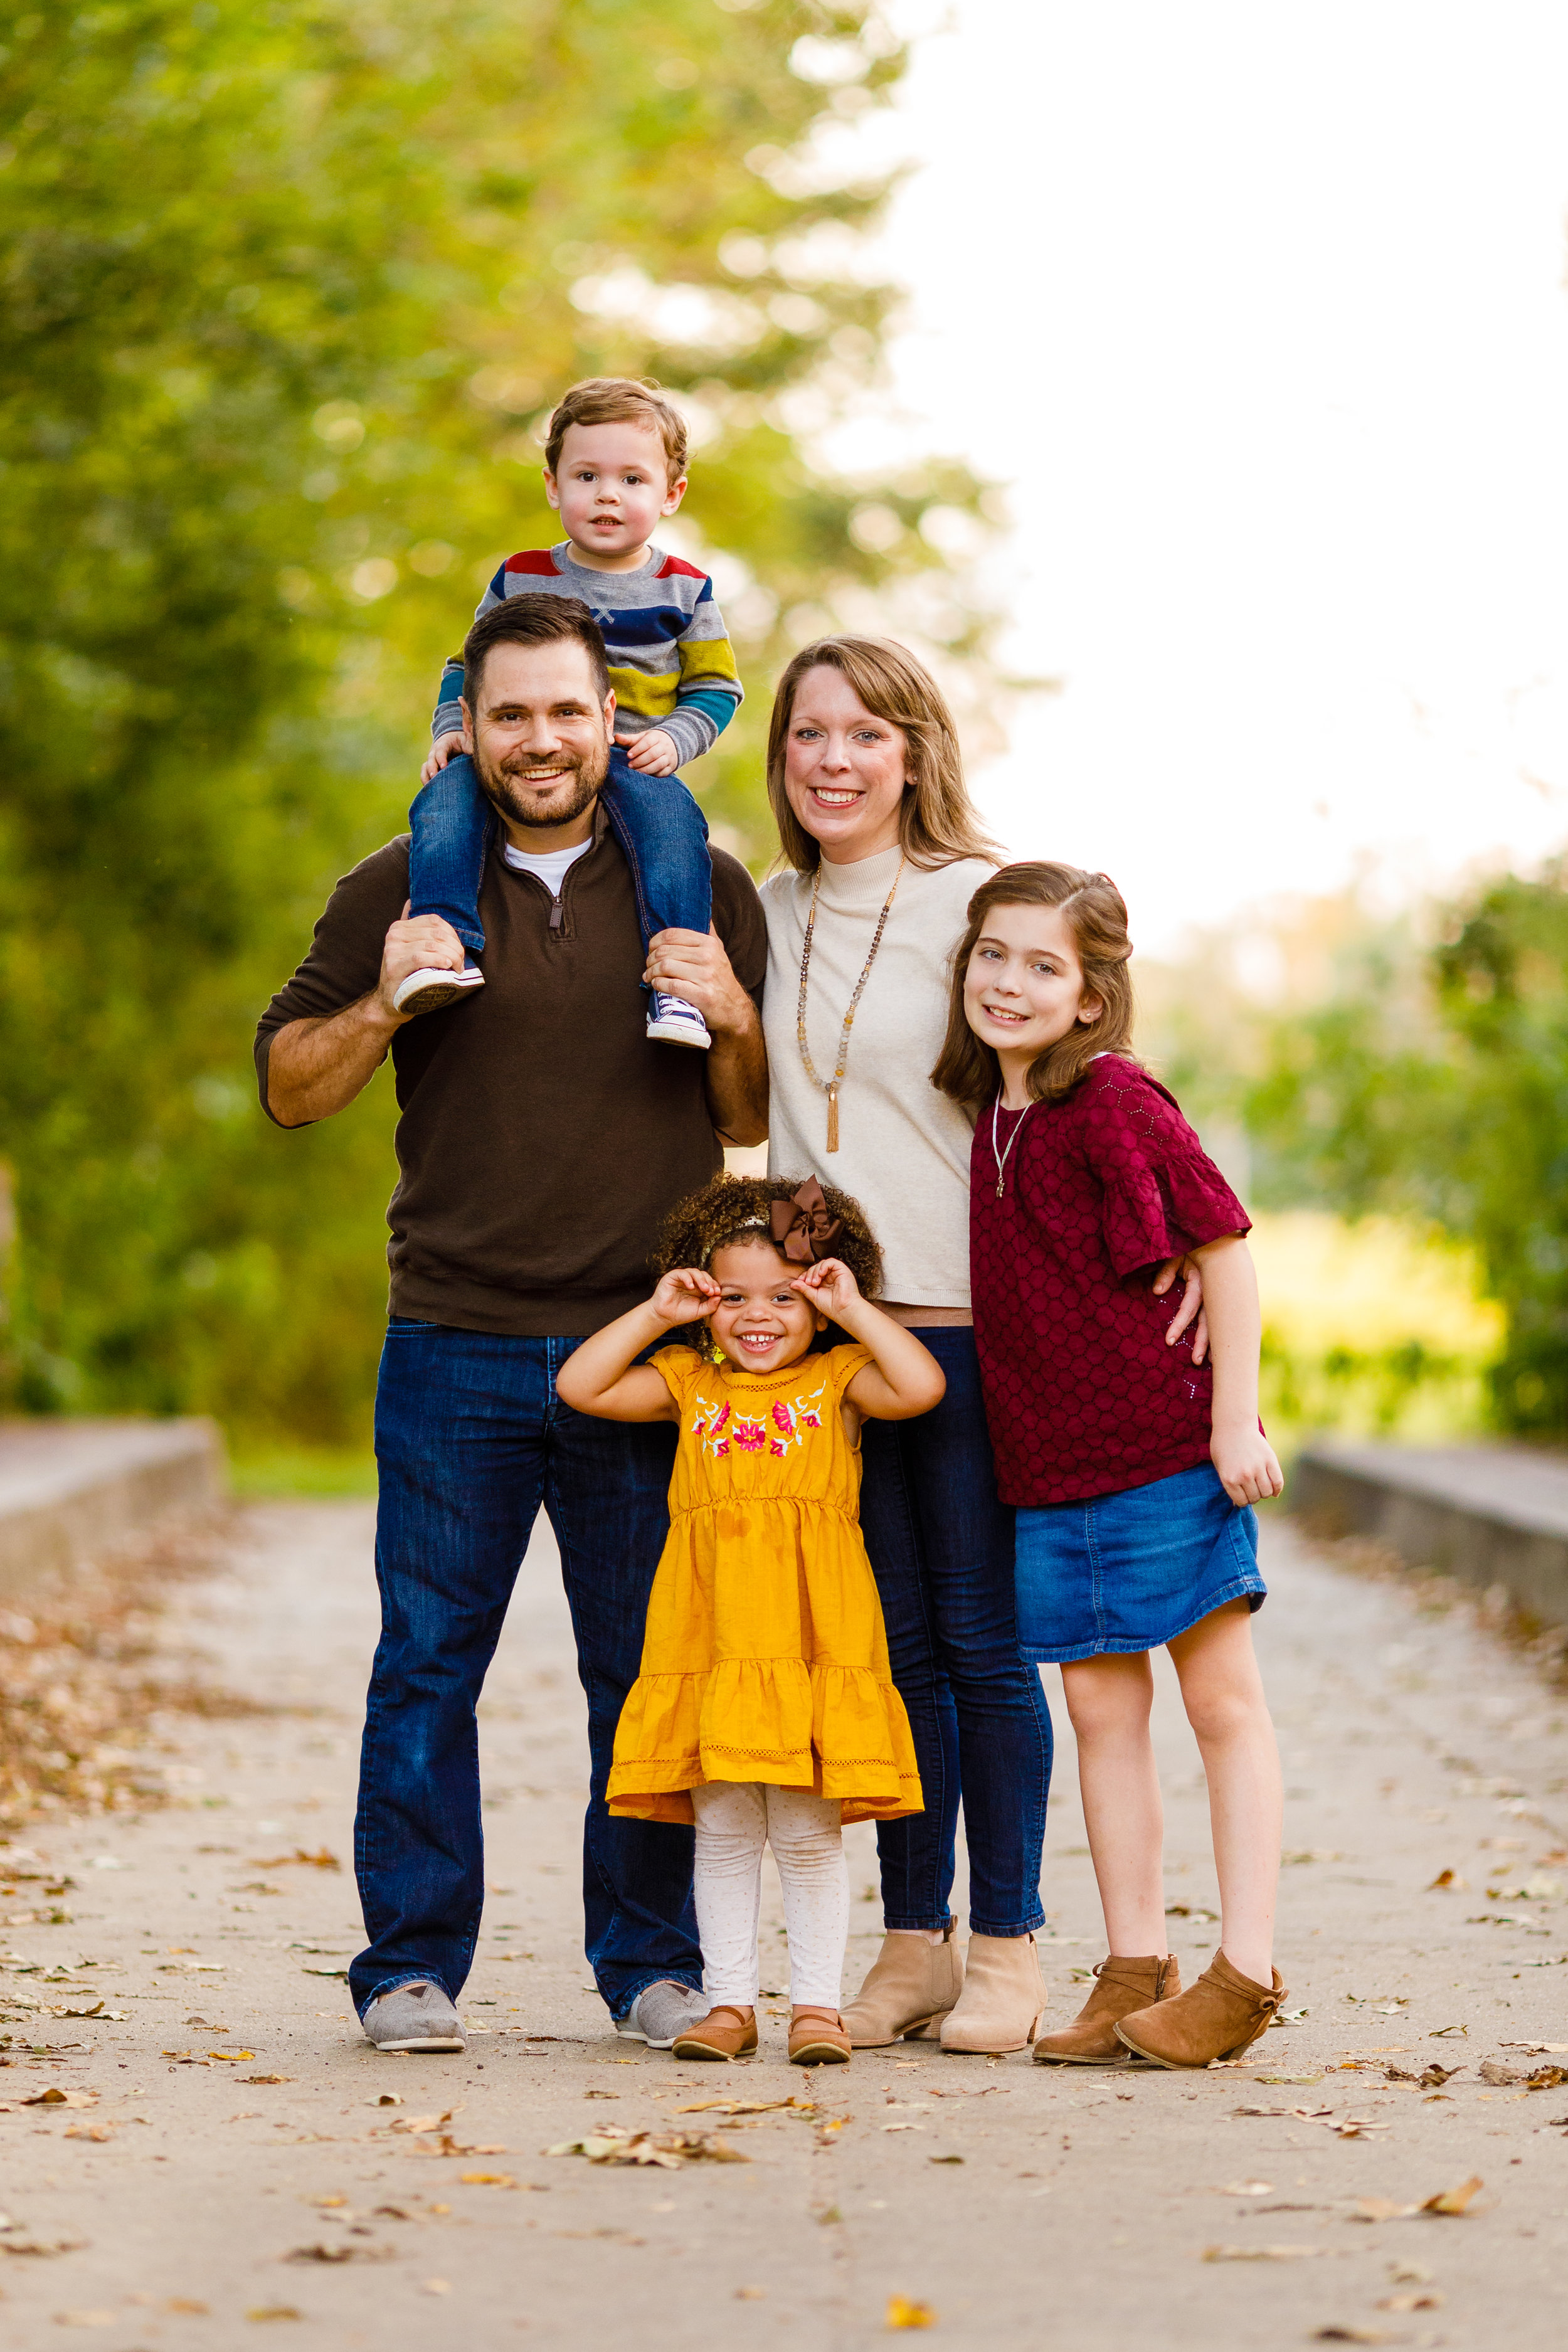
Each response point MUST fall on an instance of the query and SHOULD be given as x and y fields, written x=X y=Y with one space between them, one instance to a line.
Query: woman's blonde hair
x=938 y=821
x=1095 y=913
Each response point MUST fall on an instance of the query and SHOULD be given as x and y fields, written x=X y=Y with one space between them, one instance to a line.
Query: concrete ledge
x=1487 y=1514
x=71 y=1490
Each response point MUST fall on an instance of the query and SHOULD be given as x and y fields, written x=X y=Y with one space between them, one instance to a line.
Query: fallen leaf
x=90 y=2131
x=274 y=2311
x=901 y=2313
x=425 y=2123
x=944 y=2159
x=745 y=2106
x=267 y=2078
x=1440 y=2032
x=892 y=2128
x=324 y=2254
x=55 y=2098
x=1410 y=2303
x=341 y=1974
x=320 y=1860
x=186 y=2303
x=749 y=2294
x=13 y=2246
x=1353 y=2336
x=387 y=2099
x=1261 y=2254
x=1454 y=2201
x=86 y=2318
x=1247 y=2189
x=1546 y=2078
x=1447 y=1881
x=616 y=2144
x=435 y=2287
x=1538 y=2049
x=233 y=2057
x=488 y=2180
x=1492 y=2071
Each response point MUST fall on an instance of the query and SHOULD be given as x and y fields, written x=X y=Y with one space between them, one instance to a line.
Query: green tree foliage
x=285 y=286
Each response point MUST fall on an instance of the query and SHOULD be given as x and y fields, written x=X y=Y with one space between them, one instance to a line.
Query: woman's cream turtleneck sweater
x=903 y=1149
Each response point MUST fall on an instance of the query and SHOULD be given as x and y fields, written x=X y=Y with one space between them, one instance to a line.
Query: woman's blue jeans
x=470 y=1439
x=662 y=833
x=941 y=1548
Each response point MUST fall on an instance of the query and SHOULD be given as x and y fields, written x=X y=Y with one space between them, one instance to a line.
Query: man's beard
x=578 y=788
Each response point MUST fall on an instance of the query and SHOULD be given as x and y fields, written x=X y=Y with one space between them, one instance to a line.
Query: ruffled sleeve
x=1162 y=1193
x=843 y=1363
x=677 y=1367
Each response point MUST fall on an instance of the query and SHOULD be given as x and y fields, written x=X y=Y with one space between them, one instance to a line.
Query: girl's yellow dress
x=766 y=1657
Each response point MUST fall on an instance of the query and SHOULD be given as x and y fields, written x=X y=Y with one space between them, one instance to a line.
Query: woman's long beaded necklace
x=1001 y=1155
x=830 y=1086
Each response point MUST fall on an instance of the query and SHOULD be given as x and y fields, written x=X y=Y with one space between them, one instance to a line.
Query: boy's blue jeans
x=471 y=1438
x=662 y=830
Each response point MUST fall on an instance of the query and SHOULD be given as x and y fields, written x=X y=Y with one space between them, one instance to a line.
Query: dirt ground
x=229 y=2154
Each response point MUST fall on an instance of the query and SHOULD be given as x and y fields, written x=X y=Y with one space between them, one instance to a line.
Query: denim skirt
x=1131 y=1571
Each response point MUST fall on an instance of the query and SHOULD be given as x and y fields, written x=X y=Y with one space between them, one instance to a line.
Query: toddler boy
x=614 y=463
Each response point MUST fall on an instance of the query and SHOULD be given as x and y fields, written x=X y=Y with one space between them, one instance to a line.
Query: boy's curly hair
x=735 y=1208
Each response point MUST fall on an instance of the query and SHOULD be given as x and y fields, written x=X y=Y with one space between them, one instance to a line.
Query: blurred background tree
x=286 y=288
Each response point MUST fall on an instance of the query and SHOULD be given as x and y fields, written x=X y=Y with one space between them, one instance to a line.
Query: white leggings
x=735 y=1818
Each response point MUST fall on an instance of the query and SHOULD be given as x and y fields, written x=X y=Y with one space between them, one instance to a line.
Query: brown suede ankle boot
x=909 y=1990
x=817 y=2038
x=1003 y=1999
x=1120 y=1988
x=1218 y=2017
x=725 y=2033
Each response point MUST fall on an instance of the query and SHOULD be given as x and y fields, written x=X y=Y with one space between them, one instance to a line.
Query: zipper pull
x=557 y=912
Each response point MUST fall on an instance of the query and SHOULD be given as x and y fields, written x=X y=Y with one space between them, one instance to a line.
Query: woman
x=884 y=849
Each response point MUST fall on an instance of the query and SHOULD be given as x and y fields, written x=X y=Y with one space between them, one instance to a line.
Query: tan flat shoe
x=1121 y=1988
x=1220 y=2016
x=724 y=2033
x=1003 y=2000
x=909 y=1989
x=817 y=2038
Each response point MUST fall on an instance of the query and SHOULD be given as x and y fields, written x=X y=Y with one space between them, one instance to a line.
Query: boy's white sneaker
x=676 y=1021
x=426 y=992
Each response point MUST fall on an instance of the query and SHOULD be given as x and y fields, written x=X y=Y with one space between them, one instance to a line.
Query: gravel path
x=196 y=2195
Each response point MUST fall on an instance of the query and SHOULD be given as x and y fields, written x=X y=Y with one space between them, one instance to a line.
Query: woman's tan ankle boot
x=910 y=1989
x=1003 y=1997
x=1218 y=2017
x=1120 y=1988
x=726 y=2031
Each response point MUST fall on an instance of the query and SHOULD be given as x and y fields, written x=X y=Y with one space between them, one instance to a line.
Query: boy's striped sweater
x=671 y=662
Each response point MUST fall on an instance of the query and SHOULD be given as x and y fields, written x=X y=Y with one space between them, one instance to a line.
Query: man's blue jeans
x=662 y=833
x=471 y=1438
x=941 y=1547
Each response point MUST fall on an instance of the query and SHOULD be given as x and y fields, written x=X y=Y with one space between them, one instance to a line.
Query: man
x=542 y=1138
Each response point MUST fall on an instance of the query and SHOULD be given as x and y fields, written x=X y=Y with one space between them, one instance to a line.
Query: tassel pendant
x=833 y=1118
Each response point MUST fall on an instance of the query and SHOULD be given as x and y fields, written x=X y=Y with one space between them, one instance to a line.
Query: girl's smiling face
x=844 y=769
x=1023 y=989
x=760 y=1320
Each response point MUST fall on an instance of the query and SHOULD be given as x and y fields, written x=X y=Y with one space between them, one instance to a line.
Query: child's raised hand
x=830 y=1285
x=1247 y=1465
x=445 y=747
x=684 y=1295
x=652 y=754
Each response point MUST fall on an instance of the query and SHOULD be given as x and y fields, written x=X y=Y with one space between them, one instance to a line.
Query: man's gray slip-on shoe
x=662 y=2010
x=415 y=2017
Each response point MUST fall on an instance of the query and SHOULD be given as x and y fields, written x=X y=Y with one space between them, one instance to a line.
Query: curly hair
x=732 y=1209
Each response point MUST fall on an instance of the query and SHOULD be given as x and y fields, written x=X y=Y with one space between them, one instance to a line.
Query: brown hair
x=618 y=400
x=938 y=821
x=532 y=620
x=735 y=1209
x=1096 y=914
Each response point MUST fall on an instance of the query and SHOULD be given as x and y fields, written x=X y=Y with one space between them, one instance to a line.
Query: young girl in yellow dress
x=765 y=1711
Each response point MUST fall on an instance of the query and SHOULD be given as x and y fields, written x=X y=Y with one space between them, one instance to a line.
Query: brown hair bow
x=803 y=1227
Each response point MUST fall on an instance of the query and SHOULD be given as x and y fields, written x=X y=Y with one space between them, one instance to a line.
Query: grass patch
x=317 y=1473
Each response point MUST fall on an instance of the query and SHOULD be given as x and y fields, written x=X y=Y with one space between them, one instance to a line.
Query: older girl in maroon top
x=1133 y=1468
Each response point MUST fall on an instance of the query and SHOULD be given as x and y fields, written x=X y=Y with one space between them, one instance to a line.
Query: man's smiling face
x=541 y=739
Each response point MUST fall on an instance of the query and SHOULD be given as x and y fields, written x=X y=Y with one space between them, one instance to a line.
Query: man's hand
x=651 y=753
x=695 y=966
x=445 y=747
x=428 y=943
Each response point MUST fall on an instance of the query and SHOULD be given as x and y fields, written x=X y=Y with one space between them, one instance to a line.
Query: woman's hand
x=1247 y=1465
x=684 y=1295
x=830 y=1285
x=1191 y=1303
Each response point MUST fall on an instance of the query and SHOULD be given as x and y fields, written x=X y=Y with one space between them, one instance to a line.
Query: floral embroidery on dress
x=718 y=1428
